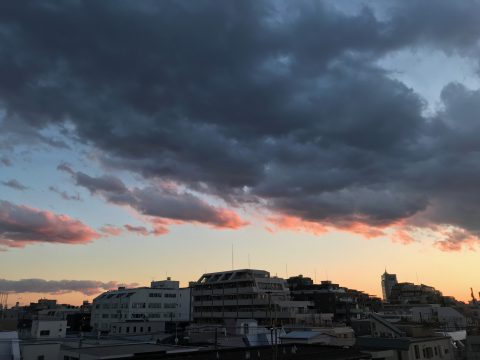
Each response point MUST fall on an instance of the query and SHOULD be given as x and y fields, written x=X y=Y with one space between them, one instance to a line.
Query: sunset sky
x=145 y=139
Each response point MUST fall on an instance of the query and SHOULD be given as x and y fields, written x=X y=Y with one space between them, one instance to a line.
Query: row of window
x=162 y=315
x=112 y=306
x=167 y=315
x=119 y=295
x=167 y=295
x=430 y=352
x=228 y=285
x=231 y=308
x=134 y=306
x=126 y=329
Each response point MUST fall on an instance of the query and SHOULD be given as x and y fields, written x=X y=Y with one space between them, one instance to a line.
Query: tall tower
x=388 y=281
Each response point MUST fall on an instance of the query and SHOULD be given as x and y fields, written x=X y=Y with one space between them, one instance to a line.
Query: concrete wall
x=473 y=347
x=49 y=329
x=9 y=348
x=49 y=351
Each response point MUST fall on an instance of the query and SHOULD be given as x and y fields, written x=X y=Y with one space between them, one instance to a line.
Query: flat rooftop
x=128 y=349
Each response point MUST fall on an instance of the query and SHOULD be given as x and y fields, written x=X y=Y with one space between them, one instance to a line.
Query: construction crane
x=3 y=300
x=3 y=303
x=474 y=301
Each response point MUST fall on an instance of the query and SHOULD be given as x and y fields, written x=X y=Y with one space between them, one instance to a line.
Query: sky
x=146 y=139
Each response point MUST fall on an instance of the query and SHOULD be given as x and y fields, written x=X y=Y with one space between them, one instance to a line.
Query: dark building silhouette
x=345 y=304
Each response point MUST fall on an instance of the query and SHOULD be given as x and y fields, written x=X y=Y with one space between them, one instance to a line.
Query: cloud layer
x=163 y=205
x=21 y=225
x=86 y=287
x=279 y=104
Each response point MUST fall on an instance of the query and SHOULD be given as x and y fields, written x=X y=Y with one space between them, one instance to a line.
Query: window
x=44 y=333
x=41 y=357
x=138 y=305
x=155 y=306
x=170 y=295
x=154 y=315
x=141 y=329
x=134 y=329
x=417 y=352
x=149 y=329
x=128 y=329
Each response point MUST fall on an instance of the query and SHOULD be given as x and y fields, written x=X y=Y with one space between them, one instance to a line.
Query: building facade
x=409 y=293
x=49 y=329
x=162 y=301
x=244 y=294
x=388 y=282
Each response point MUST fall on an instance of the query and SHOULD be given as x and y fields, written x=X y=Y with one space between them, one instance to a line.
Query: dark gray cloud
x=22 y=225
x=86 y=287
x=161 y=203
x=65 y=195
x=5 y=161
x=276 y=103
x=14 y=184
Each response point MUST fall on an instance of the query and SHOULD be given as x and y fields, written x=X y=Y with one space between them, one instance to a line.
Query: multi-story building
x=345 y=304
x=409 y=293
x=162 y=301
x=388 y=282
x=244 y=294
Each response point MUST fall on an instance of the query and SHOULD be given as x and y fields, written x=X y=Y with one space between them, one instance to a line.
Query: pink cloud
x=87 y=287
x=455 y=239
x=21 y=225
x=293 y=223
x=140 y=230
x=227 y=219
x=110 y=230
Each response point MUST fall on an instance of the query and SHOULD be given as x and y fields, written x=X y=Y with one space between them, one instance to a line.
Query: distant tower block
x=388 y=282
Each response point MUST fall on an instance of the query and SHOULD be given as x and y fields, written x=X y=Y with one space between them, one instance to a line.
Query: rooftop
x=127 y=349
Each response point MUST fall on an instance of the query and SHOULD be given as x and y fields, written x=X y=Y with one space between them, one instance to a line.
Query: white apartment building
x=162 y=301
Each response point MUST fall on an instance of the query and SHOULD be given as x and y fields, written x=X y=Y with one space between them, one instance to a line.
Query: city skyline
x=140 y=140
